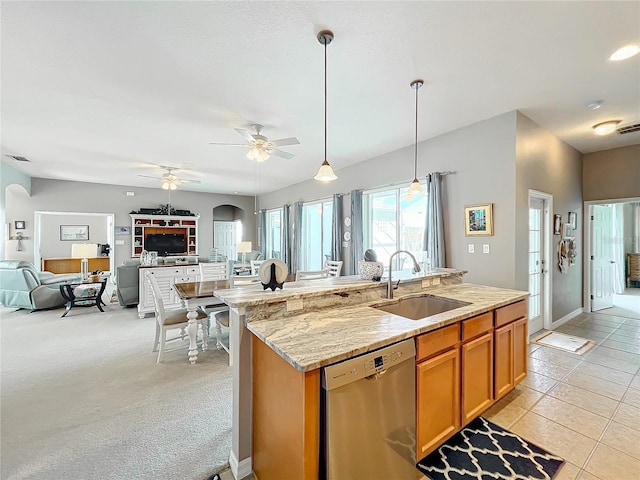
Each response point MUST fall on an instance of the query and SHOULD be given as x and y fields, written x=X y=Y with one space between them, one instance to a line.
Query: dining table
x=194 y=295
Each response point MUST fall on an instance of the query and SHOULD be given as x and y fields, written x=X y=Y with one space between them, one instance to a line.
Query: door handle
x=612 y=261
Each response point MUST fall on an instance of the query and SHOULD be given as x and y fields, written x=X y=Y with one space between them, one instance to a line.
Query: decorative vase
x=370 y=270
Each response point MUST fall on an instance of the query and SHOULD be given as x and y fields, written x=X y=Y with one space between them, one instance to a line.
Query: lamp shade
x=243 y=247
x=325 y=173
x=258 y=154
x=84 y=250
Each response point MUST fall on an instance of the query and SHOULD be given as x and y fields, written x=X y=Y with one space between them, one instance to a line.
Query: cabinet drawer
x=510 y=313
x=475 y=326
x=437 y=341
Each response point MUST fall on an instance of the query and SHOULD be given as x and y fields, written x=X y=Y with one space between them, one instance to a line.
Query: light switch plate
x=294 y=305
x=485 y=248
x=119 y=242
x=426 y=282
x=471 y=248
x=435 y=281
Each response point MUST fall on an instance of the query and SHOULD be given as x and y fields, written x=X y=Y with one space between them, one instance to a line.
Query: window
x=316 y=234
x=273 y=248
x=391 y=222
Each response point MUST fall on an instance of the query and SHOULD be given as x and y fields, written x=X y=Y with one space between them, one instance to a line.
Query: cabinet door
x=503 y=371
x=477 y=377
x=519 y=350
x=438 y=401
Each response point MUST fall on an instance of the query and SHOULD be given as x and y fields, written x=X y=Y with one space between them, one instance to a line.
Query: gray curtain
x=263 y=234
x=357 y=235
x=434 y=227
x=336 y=228
x=285 y=255
x=297 y=237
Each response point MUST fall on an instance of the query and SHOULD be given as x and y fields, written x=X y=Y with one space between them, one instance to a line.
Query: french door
x=537 y=268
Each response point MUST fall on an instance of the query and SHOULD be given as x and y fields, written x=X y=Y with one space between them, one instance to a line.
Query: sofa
x=22 y=286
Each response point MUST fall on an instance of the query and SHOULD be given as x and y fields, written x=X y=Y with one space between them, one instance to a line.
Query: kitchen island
x=280 y=341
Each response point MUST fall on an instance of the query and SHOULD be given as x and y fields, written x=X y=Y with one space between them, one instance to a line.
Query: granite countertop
x=251 y=295
x=315 y=339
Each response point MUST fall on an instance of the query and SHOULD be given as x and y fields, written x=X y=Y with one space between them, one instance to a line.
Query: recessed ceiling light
x=605 y=128
x=595 y=104
x=625 y=52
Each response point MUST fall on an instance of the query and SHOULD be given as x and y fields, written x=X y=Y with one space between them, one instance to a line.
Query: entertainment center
x=165 y=234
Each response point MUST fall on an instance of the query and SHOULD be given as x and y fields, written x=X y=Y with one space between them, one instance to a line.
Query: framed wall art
x=478 y=219
x=74 y=232
x=20 y=225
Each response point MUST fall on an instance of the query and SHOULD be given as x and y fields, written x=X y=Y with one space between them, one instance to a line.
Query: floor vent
x=19 y=158
x=629 y=129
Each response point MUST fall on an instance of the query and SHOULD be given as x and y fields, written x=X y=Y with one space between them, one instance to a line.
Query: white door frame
x=587 y=234
x=547 y=278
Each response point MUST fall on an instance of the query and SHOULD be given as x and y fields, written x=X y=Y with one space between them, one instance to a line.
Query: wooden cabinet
x=437 y=388
x=166 y=277
x=144 y=225
x=510 y=348
x=477 y=376
x=72 y=265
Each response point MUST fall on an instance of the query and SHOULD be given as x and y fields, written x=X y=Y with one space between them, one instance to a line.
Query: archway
x=229 y=228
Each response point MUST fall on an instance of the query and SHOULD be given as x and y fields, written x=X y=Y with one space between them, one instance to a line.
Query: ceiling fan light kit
x=325 y=173
x=260 y=147
x=415 y=188
x=625 y=52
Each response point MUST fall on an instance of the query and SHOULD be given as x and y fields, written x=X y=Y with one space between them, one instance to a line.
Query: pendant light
x=325 y=173
x=415 y=188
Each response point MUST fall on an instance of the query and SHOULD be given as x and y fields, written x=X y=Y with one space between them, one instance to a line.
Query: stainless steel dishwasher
x=368 y=408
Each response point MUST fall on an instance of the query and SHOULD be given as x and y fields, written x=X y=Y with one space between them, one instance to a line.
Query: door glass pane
x=274 y=234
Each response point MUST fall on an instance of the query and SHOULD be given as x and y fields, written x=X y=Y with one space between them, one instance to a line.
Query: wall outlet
x=426 y=282
x=471 y=248
x=485 y=248
x=294 y=305
x=436 y=281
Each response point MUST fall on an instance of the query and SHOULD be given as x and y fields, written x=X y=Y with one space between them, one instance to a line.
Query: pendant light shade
x=325 y=173
x=415 y=188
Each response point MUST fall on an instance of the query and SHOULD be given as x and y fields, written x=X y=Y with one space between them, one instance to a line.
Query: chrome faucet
x=416 y=269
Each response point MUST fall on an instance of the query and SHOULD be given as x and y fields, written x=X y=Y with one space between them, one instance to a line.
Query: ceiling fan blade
x=281 y=153
x=182 y=180
x=149 y=176
x=284 y=141
x=245 y=134
x=230 y=144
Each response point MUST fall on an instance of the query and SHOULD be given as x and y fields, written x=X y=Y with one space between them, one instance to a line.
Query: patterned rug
x=483 y=451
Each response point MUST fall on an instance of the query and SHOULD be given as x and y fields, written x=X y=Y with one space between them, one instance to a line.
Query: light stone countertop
x=322 y=337
x=252 y=295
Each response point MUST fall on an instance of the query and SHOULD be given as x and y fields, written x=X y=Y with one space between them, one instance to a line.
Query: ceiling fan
x=260 y=147
x=169 y=180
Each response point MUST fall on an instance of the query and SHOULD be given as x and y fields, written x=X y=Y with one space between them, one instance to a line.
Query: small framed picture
x=478 y=219
x=557 y=224
x=567 y=232
x=74 y=232
x=20 y=225
x=573 y=220
x=124 y=230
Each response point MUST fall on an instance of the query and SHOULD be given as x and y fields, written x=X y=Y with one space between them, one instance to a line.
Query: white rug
x=568 y=343
x=82 y=397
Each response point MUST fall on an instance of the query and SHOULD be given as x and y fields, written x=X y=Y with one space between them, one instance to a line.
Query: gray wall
x=611 y=174
x=64 y=196
x=52 y=247
x=482 y=157
x=546 y=164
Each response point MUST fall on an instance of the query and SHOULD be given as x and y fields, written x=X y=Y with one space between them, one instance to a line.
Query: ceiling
x=107 y=91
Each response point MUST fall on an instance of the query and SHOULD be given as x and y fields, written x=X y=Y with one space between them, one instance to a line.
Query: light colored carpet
x=82 y=397
x=562 y=341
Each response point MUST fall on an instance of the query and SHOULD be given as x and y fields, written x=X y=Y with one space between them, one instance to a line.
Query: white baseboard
x=566 y=318
x=239 y=469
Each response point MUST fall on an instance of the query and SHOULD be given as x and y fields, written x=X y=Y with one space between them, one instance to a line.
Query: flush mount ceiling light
x=415 y=188
x=595 y=105
x=325 y=173
x=605 y=128
x=625 y=52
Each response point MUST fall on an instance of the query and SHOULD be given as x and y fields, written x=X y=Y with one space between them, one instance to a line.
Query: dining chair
x=334 y=266
x=172 y=319
x=312 y=274
x=255 y=266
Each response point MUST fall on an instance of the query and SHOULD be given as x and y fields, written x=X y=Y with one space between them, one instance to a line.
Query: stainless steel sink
x=417 y=308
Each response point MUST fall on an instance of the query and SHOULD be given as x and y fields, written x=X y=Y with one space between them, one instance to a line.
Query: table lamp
x=243 y=248
x=84 y=251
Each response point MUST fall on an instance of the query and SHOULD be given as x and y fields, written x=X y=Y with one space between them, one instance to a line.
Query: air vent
x=629 y=129
x=19 y=158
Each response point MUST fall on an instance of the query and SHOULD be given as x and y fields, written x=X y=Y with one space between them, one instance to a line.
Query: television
x=166 y=243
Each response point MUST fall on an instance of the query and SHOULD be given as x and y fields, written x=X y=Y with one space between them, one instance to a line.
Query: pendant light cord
x=415 y=153
x=325 y=100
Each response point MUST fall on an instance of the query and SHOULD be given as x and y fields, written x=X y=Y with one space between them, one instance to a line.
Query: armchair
x=22 y=286
x=127 y=280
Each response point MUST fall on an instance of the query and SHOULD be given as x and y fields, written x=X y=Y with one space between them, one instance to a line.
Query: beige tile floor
x=584 y=408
